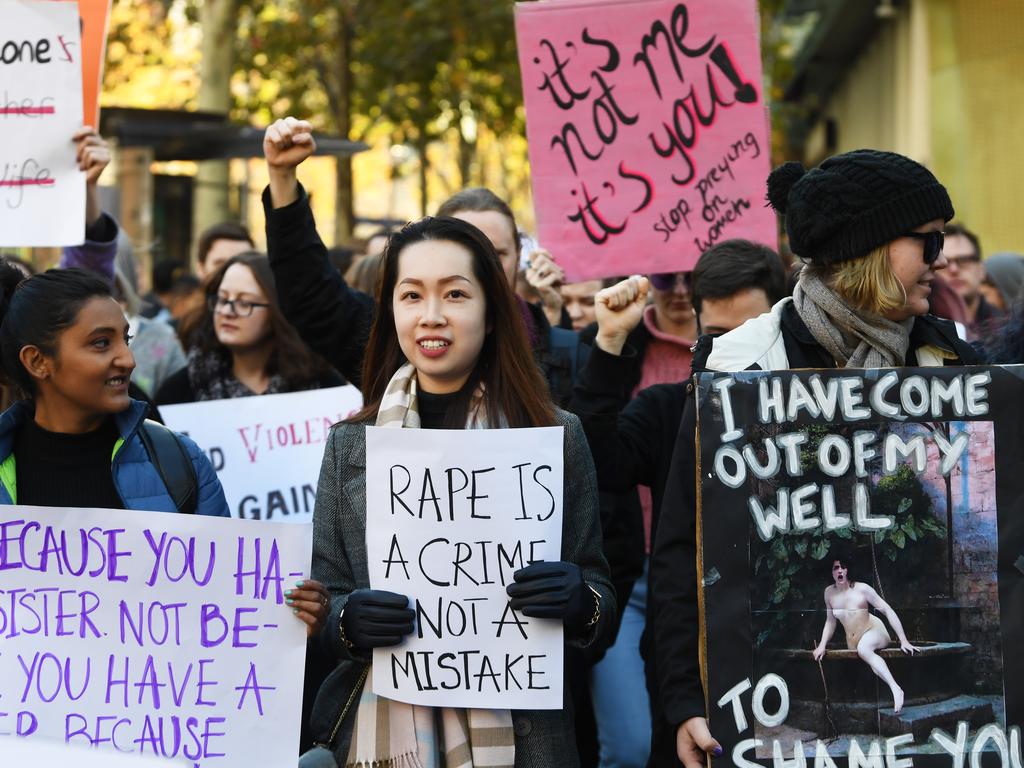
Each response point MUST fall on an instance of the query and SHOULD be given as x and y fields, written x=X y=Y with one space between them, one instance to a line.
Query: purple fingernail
x=717 y=751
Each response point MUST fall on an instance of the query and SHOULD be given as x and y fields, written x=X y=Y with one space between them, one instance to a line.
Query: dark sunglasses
x=666 y=281
x=933 y=242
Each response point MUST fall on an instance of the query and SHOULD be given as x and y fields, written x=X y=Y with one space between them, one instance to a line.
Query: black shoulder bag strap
x=173 y=464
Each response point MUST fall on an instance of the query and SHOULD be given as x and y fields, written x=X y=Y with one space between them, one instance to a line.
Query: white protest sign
x=42 y=192
x=267 y=450
x=34 y=752
x=152 y=633
x=451 y=515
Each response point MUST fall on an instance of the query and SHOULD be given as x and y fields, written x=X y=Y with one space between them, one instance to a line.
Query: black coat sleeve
x=331 y=317
x=622 y=436
x=676 y=618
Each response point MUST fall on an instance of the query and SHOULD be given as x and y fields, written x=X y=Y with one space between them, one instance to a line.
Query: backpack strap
x=172 y=463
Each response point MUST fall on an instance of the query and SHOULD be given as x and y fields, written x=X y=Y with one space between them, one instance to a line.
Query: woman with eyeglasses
x=244 y=346
x=868 y=227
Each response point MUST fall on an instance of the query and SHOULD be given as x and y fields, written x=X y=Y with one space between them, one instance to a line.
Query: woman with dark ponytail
x=73 y=439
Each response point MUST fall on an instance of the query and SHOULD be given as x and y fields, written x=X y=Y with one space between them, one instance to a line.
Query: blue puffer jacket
x=135 y=476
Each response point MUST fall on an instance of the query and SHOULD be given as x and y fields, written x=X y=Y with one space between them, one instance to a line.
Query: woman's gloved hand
x=375 y=618
x=554 y=590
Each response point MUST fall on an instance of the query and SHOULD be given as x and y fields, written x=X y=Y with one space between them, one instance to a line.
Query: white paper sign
x=267 y=450
x=42 y=192
x=451 y=515
x=152 y=633
x=35 y=753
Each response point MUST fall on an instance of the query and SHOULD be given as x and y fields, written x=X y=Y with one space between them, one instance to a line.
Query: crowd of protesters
x=449 y=323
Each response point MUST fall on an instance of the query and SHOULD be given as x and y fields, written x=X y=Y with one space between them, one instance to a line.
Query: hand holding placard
x=376 y=618
x=694 y=742
x=91 y=153
x=311 y=603
x=553 y=591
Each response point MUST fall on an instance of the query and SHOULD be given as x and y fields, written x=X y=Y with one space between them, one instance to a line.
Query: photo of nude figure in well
x=894 y=631
x=874 y=619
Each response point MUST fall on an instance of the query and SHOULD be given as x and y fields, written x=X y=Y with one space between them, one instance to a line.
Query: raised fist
x=619 y=310
x=287 y=143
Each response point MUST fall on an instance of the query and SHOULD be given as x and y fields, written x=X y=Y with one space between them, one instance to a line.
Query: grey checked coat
x=544 y=738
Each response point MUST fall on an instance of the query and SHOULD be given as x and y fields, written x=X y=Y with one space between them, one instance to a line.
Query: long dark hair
x=516 y=393
x=296 y=363
x=34 y=311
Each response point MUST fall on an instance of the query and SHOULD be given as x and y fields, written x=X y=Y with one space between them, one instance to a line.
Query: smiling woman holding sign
x=447 y=350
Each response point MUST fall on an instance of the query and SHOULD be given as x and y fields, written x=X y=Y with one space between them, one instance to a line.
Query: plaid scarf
x=392 y=734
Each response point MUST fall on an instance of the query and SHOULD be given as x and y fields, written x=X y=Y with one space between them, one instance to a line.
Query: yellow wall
x=977 y=57
x=882 y=103
x=941 y=83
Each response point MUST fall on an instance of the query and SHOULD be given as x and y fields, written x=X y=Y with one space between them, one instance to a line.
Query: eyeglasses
x=239 y=307
x=933 y=242
x=666 y=281
x=962 y=261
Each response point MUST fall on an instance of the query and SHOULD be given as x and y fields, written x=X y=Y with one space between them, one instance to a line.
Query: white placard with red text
x=266 y=449
x=42 y=192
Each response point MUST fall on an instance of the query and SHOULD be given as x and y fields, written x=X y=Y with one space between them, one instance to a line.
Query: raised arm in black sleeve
x=620 y=446
x=631 y=440
x=331 y=317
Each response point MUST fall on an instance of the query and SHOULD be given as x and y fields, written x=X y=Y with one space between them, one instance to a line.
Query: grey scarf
x=855 y=339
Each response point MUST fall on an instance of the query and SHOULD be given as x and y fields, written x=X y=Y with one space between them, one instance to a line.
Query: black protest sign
x=861 y=593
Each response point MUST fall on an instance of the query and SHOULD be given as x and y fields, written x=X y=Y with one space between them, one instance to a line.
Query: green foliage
x=903 y=492
x=422 y=66
x=792 y=570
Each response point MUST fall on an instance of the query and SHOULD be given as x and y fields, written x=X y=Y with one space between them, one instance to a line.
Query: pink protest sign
x=647 y=128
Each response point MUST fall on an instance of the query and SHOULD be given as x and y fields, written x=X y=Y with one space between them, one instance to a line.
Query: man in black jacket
x=632 y=441
x=332 y=317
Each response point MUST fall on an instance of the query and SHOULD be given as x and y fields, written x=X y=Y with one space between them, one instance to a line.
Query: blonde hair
x=868 y=283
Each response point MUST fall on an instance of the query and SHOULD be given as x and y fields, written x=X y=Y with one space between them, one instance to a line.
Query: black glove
x=553 y=591
x=375 y=618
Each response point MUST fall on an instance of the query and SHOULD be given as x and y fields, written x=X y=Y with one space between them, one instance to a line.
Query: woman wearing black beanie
x=868 y=227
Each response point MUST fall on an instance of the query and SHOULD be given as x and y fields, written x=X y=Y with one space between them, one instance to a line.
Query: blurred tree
x=427 y=69
x=152 y=58
x=218 y=22
x=422 y=70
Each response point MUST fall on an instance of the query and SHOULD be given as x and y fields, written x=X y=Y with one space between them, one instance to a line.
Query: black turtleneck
x=61 y=470
x=434 y=408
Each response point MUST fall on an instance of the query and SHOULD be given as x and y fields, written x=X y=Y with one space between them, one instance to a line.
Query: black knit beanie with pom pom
x=854 y=202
